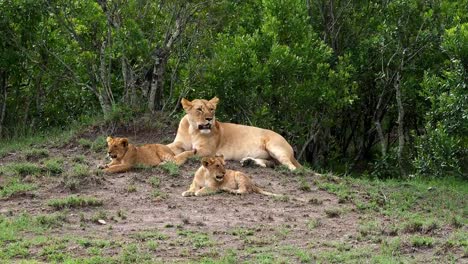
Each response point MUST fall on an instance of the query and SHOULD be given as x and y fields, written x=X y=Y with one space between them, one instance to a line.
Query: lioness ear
x=186 y=104
x=109 y=139
x=205 y=162
x=214 y=101
x=124 y=142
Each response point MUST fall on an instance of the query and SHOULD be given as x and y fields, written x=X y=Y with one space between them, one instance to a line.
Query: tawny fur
x=213 y=177
x=126 y=156
x=199 y=130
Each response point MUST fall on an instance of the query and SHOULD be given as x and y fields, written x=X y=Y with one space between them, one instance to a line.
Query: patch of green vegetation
x=74 y=202
x=370 y=228
x=304 y=185
x=99 y=144
x=34 y=153
x=157 y=194
x=391 y=247
x=197 y=239
x=416 y=223
x=170 y=168
x=133 y=253
x=314 y=223
x=242 y=232
x=440 y=200
x=302 y=171
x=315 y=201
x=52 y=137
x=131 y=188
x=51 y=220
x=79 y=159
x=230 y=257
x=422 y=241
x=75 y=176
x=282 y=169
x=155 y=182
x=281 y=198
x=85 y=143
x=14 y=186
x=100 y=215
x=20 y=169
x=149 y=235
x=345 y=255
x=333 y=212
x=54 y=166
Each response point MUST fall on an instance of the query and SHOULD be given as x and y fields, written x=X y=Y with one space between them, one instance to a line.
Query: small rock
x=101 y=221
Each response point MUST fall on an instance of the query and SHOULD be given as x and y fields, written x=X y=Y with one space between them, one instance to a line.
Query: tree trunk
x=3 y=86
x=401 y=115
x=157 y=81
x=106 y=97
x=129 y=83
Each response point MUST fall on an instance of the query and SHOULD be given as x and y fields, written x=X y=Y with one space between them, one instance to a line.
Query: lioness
x=199 y=130
x=213 y=177
x=125 y=156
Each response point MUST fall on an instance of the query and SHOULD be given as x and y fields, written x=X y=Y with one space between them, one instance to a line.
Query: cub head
x=201 y=113
x=215 y=165
x=117 y=147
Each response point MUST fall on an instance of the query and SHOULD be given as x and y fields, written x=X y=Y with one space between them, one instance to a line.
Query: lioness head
x=201 y=113
x=117 y=147
x=215 y=166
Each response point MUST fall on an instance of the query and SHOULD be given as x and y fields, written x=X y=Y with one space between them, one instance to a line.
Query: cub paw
x=102 y=166
x=188 y=193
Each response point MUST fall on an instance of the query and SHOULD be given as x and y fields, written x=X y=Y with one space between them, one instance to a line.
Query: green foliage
x=74 y=202
x=36 y=153
x=21 y=169
x=321 y=76
x=14 y=186
x=171 y=168
x=54 y=166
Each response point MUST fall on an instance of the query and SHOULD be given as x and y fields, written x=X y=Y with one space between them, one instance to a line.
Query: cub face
x=117 y=147
x=201 y=113
x=216 y=167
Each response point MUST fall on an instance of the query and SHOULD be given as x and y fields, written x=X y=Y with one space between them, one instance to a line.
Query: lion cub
x=126 y=156
x=212 y=177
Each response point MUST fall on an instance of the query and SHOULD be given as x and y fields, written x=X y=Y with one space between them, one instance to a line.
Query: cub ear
x=109 y=139
x=214 y=101
x=124 y=142
x=186 y=104
x=206 y=161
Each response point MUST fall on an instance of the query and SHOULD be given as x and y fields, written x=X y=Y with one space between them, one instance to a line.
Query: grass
x=54 y=166
x=196 y=239
x=314 y=223
x=149 y=235
x=74 y=202
x=422 y=241
x=333 y=212
x=426 y=218
x=20 y=169
x=15 y=186
x=155 y=182
x=170 y=168
x=34 y=153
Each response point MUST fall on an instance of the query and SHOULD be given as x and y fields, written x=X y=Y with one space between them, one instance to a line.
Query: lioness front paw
x=188 y=193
